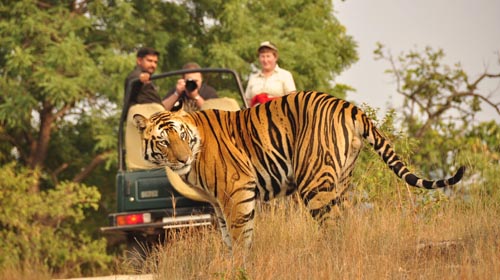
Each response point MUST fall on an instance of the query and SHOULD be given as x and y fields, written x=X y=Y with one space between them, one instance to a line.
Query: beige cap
x=267 y=44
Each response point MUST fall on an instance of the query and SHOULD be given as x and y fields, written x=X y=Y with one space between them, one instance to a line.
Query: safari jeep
x=147 y=204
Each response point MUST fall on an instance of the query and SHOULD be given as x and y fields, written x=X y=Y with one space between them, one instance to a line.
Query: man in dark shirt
x=144 y=100
x=144 y=91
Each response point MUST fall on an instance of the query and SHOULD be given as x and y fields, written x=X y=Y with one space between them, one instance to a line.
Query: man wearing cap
x=144 y=100
x=271 y=81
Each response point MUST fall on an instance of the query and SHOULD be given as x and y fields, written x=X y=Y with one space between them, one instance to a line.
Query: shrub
x=44 y=228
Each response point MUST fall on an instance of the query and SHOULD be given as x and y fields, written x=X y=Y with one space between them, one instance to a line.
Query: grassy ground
x=460 y=241
x=388 y=239
x=456 y=240
x=389 y=231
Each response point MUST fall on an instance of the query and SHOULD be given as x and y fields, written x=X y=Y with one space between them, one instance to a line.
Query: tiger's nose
x=183 y=159
x=182 y=154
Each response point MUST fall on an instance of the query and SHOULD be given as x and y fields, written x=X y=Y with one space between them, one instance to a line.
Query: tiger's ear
x=181 y=112
x=140 y=122
x=179 y=106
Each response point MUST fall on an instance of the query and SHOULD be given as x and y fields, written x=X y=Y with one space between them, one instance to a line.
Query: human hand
x=180 y=87
x=144 y=77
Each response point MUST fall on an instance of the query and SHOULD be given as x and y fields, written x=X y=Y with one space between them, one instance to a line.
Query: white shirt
x=280 y=83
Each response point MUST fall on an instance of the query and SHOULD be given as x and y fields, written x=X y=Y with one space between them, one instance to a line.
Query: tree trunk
x=40 y=145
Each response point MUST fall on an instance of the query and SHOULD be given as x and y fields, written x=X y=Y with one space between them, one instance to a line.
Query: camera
x=191 y=85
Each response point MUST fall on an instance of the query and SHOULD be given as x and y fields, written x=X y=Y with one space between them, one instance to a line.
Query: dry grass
x=32 y=271
x=454 y=240
x=457 y=242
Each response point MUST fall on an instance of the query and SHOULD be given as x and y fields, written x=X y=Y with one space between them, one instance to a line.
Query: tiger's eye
x=164 y=143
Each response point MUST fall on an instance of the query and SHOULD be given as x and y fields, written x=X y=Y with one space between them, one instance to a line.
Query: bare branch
x=63 y=110
x=98 y=159
x=483 y=98
x=480 y=78
x=56 y=172
x=43 y=5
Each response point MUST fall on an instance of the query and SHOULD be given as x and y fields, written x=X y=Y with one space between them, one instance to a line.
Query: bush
x=477 y=149
x=44 y=228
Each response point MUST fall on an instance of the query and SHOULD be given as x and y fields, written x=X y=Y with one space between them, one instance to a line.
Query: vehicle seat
x=223 y=103
x=133 y=153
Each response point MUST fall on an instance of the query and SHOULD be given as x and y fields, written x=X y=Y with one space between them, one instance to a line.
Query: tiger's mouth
x=178 y=167
x=181 y=169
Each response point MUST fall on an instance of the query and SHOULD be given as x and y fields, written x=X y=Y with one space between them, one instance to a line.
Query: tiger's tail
x=384 y=149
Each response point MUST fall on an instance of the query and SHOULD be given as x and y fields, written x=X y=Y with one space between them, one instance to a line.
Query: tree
x=440 y=103
x=56 y=74
x=435 y=90
x=59 y=76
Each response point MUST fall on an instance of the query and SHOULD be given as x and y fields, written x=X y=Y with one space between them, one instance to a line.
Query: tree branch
x=483 y=98
x=14 y=142
x=62 y=112
x=43 y=5
x=98 y=159
x=473 y=86
x=56 y=172
x=39 y=147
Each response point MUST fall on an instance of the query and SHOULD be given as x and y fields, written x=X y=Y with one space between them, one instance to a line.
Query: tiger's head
x=168 y=141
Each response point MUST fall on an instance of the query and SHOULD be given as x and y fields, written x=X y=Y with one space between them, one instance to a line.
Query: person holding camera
x=190 y=92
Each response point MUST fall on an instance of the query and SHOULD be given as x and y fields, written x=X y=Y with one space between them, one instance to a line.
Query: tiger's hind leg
x=325 y=196
x=324 y=207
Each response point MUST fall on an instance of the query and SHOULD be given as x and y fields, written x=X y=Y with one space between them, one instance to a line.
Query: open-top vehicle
x=147 y=203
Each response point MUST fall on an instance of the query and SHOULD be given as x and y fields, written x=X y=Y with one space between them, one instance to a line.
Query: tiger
x=305 y=142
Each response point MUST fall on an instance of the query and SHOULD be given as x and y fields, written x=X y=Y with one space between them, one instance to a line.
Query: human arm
x=196 y=96
x=142 y=90
x=249 y=94
x=180 y=90
x=169 y=101
x=288 y=84
x=174 y=95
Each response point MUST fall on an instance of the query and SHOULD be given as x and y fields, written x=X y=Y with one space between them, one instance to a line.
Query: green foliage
x=45 y=228
x=313 y=45
x=483 y=153
x=57 y=67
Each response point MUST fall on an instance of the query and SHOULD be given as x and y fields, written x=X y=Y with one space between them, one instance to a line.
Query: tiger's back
x=306 y=142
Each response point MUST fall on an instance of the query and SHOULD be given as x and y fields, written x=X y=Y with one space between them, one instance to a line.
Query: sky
x=468 y=31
